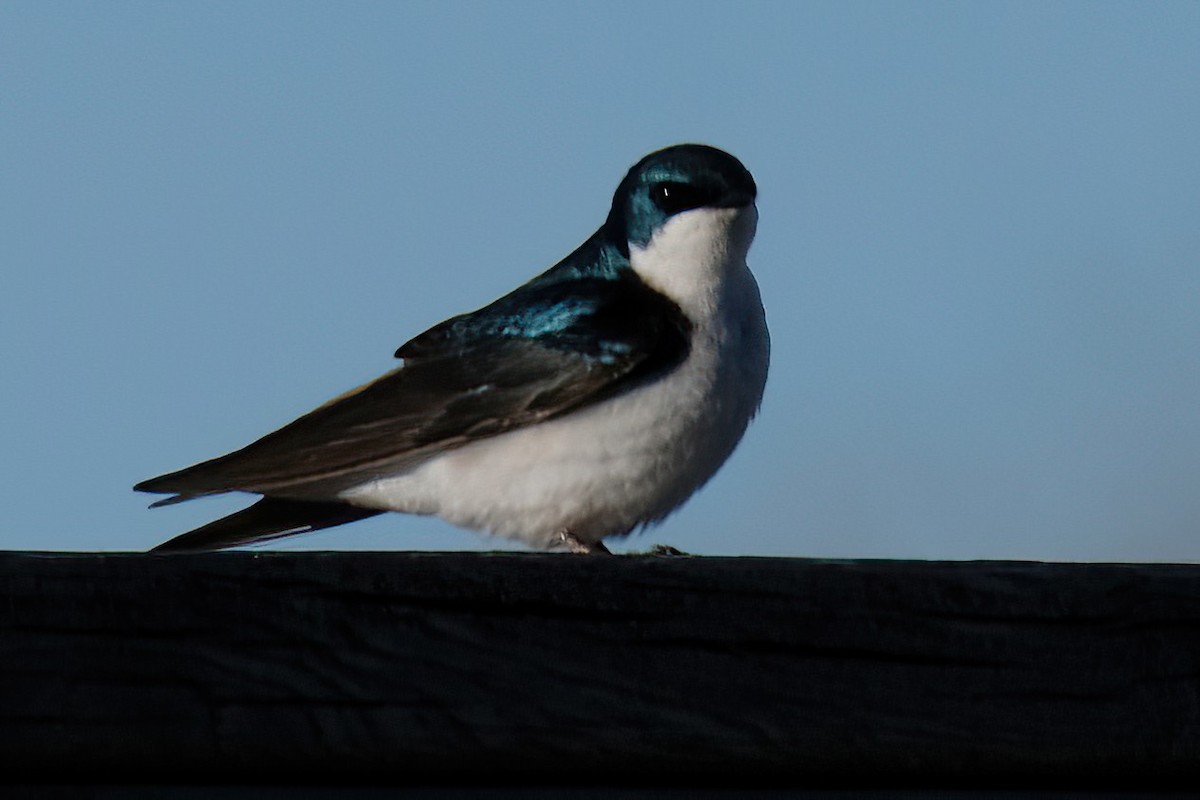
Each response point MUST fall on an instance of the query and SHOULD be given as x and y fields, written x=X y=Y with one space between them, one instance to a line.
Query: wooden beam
x=402 y=668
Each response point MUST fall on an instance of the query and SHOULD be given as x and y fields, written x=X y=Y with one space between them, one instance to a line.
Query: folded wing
x=541 y=351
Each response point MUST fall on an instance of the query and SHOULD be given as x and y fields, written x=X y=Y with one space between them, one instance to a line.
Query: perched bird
x=592 y=400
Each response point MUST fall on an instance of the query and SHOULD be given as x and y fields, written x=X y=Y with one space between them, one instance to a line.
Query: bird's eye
x=674 y=197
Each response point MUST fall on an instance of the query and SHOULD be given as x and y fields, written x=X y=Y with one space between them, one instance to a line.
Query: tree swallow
x=592 y=400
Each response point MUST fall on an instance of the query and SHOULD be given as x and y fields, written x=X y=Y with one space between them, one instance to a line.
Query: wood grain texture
x=404 y=668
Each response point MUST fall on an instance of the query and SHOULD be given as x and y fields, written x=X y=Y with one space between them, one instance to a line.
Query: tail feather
x=269 y=518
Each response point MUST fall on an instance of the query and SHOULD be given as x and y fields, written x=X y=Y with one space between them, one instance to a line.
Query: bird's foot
x=572 y=544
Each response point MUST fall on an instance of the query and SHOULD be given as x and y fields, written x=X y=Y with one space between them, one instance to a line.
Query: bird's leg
x=573 y=544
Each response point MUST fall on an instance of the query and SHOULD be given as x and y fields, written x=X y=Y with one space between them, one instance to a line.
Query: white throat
x=692 y=257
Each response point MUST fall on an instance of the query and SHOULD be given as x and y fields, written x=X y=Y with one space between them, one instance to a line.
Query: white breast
x=612 y=466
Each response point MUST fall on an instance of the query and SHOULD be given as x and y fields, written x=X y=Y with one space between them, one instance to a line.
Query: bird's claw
x=573 y=544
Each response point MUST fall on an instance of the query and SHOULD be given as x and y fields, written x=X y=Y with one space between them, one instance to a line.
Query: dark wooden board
x=404 y=668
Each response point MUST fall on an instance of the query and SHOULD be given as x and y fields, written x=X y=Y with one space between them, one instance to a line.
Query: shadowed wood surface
x=406 y=668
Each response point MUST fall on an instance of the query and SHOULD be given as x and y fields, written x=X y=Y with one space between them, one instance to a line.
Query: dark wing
x=542 y=351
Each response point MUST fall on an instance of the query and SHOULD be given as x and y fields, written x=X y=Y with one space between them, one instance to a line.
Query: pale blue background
x=978 y=247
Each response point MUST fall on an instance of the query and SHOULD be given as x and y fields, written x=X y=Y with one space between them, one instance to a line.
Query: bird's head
x=675 y=181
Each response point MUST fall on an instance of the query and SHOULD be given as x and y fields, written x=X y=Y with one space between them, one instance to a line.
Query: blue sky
x=978 y=248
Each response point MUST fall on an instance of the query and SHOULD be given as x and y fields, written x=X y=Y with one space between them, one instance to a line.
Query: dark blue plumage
x=591 y=302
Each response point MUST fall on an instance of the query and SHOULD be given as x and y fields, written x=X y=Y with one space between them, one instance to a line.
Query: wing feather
x=478 y=375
